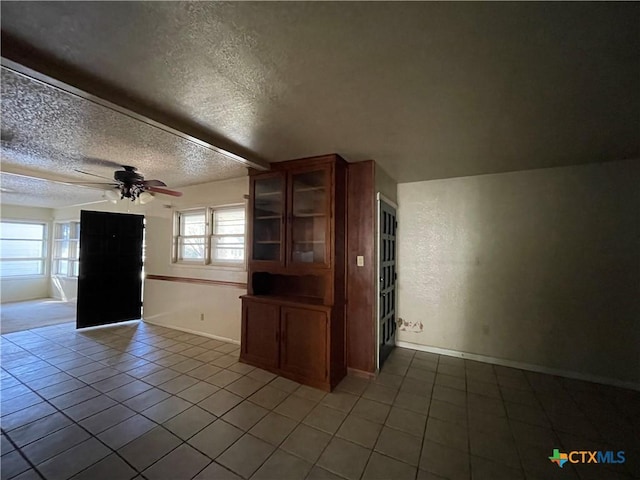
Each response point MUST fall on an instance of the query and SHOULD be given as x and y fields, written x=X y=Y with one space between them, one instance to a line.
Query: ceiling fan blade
x=164 y=191
x=154 y=183
x=92 y=174
x=101 y=162
x=94 y=183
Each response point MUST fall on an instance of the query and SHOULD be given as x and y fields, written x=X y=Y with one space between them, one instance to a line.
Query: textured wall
x=539 y=266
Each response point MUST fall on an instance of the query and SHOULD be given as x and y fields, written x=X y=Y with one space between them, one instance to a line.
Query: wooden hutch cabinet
x=293 y=317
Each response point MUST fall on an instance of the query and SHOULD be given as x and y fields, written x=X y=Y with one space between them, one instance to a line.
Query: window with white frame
x=210 y=236
x=191 y=238
x=227 y=235
x=65 y=249
x=23 y=248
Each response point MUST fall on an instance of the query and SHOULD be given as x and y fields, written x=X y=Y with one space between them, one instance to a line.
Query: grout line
x=96 y=413
x=24 y=457
x=513 y=438
x=426 y=423
x=551 y=423
x=90 y=343
x=572 y=393
x=74 y=422
x=466 y=396
x=332 y=436
x=373 y=449
x=82 y=427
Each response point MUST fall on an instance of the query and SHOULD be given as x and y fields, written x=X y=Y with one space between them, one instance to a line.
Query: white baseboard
x=521 y=365
x=195 y=332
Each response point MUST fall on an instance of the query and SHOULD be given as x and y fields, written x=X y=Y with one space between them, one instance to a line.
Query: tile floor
x=141 y=401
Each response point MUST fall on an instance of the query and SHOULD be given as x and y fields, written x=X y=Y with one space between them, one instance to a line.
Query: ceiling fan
x=132 y=185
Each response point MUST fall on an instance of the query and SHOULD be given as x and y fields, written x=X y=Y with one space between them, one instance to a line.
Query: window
x=23 y=248
x=227 y=239
x=65 y=249
x=192 y=236
x=210 y=236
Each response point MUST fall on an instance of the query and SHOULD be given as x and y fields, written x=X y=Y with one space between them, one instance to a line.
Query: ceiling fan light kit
x=145 y=197
x=131 y=192
x=133 y=186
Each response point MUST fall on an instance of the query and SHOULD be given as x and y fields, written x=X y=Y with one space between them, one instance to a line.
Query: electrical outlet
x=360 y=260
x=202 y=317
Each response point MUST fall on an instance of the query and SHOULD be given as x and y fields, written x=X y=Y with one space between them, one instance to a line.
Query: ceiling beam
x=25 y=61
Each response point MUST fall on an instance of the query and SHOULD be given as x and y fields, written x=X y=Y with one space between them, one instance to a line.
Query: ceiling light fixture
x=145 y=197
x=134 y=193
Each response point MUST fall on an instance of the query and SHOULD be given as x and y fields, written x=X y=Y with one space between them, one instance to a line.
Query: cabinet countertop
x=303 y=302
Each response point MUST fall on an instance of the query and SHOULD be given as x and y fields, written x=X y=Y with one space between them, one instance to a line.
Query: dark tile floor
x=141 y=401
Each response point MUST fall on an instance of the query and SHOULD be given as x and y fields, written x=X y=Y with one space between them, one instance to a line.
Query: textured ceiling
x=50 y=133
x=428 y=89
x=37 y=192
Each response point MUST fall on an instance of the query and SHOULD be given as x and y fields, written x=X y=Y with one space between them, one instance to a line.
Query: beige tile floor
x=141 y=401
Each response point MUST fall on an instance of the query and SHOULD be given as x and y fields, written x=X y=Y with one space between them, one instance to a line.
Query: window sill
x=23 y=277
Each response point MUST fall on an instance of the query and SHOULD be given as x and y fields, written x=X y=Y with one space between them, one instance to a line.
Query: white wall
x=386 y=185
x=540 y=267
x=174 y=303
x=26 y=288
x=178 y=304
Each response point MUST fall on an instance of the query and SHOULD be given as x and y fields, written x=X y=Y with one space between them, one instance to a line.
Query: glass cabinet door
x=309 y=217
x=268 y=208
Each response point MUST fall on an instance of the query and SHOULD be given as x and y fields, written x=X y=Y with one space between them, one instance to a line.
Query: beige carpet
x=18 y=316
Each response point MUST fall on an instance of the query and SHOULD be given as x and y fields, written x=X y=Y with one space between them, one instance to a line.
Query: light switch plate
x=360 y=261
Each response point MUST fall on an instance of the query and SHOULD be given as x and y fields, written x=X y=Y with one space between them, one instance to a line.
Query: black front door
x=110 y=277
x=387 y=285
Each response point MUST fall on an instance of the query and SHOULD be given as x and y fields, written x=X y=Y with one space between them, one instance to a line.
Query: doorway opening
x=387 y=277
x=110 y=280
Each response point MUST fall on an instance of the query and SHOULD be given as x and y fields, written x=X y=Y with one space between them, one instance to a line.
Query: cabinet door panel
x=267 y=218
x=303 y=348
x=260 y=330
x=310 y=216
